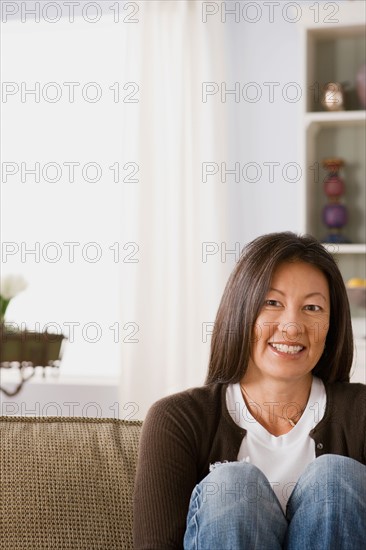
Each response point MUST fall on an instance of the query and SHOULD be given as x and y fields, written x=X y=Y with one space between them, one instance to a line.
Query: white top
x=281 y=458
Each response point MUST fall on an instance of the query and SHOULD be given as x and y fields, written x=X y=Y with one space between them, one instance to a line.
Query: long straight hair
x=243 y=300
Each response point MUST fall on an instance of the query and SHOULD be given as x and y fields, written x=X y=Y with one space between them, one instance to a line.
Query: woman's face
x=291 y=328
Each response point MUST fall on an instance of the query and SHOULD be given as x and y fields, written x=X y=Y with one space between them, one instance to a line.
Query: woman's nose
x=291 y=326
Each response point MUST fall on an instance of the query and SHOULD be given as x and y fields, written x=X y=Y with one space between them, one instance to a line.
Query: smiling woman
x=268 y=263
x=293 y=325
x=235 y=463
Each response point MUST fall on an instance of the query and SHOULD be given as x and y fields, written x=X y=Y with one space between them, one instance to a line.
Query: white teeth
x=287 y=349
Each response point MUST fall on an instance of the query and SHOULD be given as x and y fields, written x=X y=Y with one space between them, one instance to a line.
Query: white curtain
x=170 y=296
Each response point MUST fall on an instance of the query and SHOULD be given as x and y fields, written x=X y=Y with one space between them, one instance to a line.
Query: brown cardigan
x=186 y=432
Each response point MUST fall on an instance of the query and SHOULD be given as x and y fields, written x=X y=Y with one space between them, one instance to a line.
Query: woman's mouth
x=287 y=349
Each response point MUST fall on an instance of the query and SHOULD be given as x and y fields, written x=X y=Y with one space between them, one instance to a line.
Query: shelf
x=334 y=45
x=336 y=18
x=338 y=118
x=335 y=54
x=349 y=143
x=337 y=32
x=345 y=248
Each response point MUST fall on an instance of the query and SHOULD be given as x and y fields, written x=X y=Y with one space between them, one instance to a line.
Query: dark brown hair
x=244 y=296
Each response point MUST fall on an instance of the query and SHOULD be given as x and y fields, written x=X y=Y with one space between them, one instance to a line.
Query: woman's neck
x=276 y=404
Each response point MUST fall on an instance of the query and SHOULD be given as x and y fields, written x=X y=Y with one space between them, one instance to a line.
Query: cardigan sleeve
x=166 y=474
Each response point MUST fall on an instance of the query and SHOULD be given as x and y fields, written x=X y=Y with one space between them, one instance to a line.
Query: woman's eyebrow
x=276 y=289
x=307 y=295
x=316 y=294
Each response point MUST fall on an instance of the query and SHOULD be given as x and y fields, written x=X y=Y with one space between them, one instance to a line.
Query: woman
x=270 y=453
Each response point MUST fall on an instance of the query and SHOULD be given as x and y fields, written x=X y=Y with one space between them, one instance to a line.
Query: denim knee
x=331 y=466
x=233 y=507
x=327 y=508
x=235 y=471
x=326 y=477
x=330 y=463
x=236 y=481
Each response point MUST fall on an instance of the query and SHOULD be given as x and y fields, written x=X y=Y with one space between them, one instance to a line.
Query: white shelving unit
x=334 y=53
x=346 y=248
x=334 y=119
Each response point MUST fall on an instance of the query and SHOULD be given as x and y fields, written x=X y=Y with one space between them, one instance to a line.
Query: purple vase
x=335 y=215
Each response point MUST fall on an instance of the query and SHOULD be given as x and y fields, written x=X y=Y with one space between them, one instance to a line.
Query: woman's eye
x=312 y=307
x=271 y=303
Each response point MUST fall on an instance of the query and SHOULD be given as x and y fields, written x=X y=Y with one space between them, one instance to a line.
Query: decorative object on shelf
x=23 y=349
x=356 y=290
x=361 y=85
x=10 y=286
x=334 y=214
x=333 y=96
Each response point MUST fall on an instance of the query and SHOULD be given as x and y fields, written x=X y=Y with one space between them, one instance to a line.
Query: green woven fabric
x=66 y=483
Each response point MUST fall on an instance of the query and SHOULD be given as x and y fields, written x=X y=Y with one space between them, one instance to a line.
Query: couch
x=67 y=483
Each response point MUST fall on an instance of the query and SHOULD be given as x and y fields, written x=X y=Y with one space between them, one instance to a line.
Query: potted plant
x=10 y=286
x=24 y=348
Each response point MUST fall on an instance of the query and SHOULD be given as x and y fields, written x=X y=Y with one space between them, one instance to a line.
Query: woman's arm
x=166 y=474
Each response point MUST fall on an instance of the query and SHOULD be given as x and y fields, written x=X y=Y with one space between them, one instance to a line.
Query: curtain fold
x=170 y=213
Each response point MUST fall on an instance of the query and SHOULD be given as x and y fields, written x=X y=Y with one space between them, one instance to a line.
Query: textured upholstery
x=66 y=483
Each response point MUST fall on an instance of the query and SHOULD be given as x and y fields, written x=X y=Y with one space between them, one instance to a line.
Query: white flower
x=11 y=285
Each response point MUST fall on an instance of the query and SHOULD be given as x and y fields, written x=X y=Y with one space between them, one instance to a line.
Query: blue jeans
x=235 y=508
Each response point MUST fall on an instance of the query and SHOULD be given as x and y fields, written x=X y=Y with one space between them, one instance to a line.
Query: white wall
x=266 y=131
x=79 y=290
x=260 y=132
x=44 y=397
